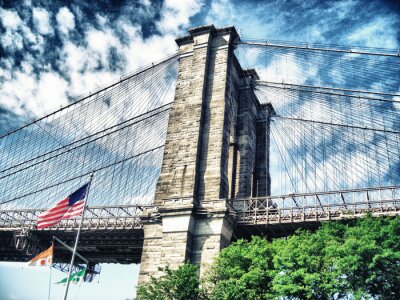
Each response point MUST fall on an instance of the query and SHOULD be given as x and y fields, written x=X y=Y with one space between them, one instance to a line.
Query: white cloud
x=41 y=21
x=342 y=9
x=26 y=96
x=87 y=67
x=11 y=39
x=17 y=33
x=73 y=57
x=380 y=32
x=339 y=22
x=10 y=19
x=101 y=20
x=251 y=21
x=6 y=72
x=142 y=52
x=221 y=11
x=251 y=57
x=175 y=14
x=16 y=92
x=30 y=36
x=287 y=69
x=65 y=20
x=146 y=3
x=51 y=93
x=99 y=42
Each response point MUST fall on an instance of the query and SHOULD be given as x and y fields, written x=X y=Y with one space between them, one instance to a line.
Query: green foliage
x=301 y=270
x=370 y=258
x=242 y=271
x=180 y=284
x=358 y=259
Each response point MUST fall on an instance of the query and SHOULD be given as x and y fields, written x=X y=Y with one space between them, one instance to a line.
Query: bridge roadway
x=110 y=234
x=114 y=234
x=278 y=216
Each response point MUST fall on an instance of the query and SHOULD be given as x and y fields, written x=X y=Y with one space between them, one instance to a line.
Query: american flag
x=69 y=207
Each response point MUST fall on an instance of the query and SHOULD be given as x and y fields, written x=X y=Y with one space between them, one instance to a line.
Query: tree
x=369 y=257
x=180 y=284
x=356 y=259
x=242 y=271
x=303 y=270
x=359 y=259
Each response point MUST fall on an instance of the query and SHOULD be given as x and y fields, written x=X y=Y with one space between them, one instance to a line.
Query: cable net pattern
x=374 y=70
x=336 y=126
x=118 y=132
x=337 y=114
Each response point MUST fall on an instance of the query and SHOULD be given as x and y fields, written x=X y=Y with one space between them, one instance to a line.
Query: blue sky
x=17 y=281
x=53 y=51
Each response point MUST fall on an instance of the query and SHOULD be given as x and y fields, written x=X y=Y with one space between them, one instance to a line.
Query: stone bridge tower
x=217 y=148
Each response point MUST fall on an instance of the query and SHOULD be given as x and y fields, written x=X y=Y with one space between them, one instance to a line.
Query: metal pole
x=48 y=295
x=77 y=239
x=70 y=249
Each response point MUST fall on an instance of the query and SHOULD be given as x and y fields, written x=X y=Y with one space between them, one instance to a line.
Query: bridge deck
x=98 y=246
x=114 y=234
x=111 y=234
x=317 y=207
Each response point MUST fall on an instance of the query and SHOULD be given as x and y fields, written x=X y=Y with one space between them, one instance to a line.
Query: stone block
x=215 y=149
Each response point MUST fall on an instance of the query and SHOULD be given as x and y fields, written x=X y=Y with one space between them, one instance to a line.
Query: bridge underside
x=122 y=246
x=114 y=234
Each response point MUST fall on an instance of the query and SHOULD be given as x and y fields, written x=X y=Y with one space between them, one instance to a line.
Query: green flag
x=76 y=278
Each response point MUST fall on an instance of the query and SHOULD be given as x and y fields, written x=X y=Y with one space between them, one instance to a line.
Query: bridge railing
x=321 y=206
x=96 y=217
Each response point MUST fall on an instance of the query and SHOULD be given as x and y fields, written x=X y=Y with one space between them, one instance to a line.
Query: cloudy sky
x=53 y=51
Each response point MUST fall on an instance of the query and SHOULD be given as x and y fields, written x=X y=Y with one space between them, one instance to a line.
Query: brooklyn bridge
x=224 y=139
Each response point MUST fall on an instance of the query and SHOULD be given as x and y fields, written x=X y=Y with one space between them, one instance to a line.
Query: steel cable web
x=117 y=131
x=330 y=142
x=337 y=114
x=323 y=68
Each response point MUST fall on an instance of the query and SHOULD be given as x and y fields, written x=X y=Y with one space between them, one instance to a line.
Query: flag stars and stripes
x=70 y=207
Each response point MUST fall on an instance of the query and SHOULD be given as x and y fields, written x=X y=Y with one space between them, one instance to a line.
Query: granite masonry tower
x=217 y=148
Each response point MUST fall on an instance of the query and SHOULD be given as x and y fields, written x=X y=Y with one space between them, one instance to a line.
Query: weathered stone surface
x=217 y=147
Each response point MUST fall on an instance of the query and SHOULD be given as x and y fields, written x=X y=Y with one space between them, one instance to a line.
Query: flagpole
x=77 y=239
x=48 y=296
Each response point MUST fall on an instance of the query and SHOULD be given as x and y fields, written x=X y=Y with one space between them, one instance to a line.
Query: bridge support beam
x=210 y=153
